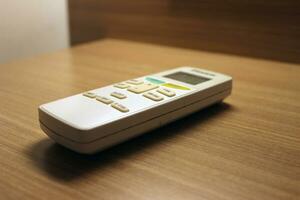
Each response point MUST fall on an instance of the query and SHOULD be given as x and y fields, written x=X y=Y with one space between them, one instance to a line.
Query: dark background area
x=266 y=29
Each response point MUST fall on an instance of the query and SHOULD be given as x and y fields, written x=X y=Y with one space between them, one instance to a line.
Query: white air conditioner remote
x=97 y=119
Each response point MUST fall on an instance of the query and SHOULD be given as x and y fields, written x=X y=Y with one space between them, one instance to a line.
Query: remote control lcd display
x=187 y=78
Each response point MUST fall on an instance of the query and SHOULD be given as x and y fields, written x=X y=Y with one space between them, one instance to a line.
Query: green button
x=179 y=87
x=154 y=81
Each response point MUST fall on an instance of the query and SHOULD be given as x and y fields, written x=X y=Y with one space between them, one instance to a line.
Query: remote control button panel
x=151 y=89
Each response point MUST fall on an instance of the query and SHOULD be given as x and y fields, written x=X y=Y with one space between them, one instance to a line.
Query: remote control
x=99 y=118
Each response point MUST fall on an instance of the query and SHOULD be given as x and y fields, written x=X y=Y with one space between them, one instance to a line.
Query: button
x=179 y=87
x=118 y=95
x=121 y=85
x=153 y=96
x=89 y=94
x=166 y=92
x=119 y=107
x=104 y=99
x=135 y=82
x=142 y=88
x=154 y=80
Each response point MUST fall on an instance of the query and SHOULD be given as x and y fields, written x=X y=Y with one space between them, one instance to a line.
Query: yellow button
x=119 y=107
x=89 y=94
x=179 y=87
x=166 y=92
x=121 y=85
x=104 y=99
x=153 y=96
x=118 y=95
x=142 y=88
x=135 y=82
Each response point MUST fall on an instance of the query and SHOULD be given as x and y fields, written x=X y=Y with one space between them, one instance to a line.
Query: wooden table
x=245 y=148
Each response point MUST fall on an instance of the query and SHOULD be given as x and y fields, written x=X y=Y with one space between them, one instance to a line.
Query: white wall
x=32 y=27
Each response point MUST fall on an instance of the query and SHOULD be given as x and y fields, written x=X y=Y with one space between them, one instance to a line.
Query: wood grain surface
x=245 y=148
x=266 y=29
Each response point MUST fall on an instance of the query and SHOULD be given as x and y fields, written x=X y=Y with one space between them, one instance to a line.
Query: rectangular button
x=166 y=92
x=119 y=107
x=142 y=88
x=118 y=95
x=104 y=99
x=153 y=96
x=134 y=82
x=121 y=85
x=89 y=94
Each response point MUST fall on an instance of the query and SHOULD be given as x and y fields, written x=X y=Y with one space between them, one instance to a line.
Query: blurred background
x=32 y=27
x=268 y=29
